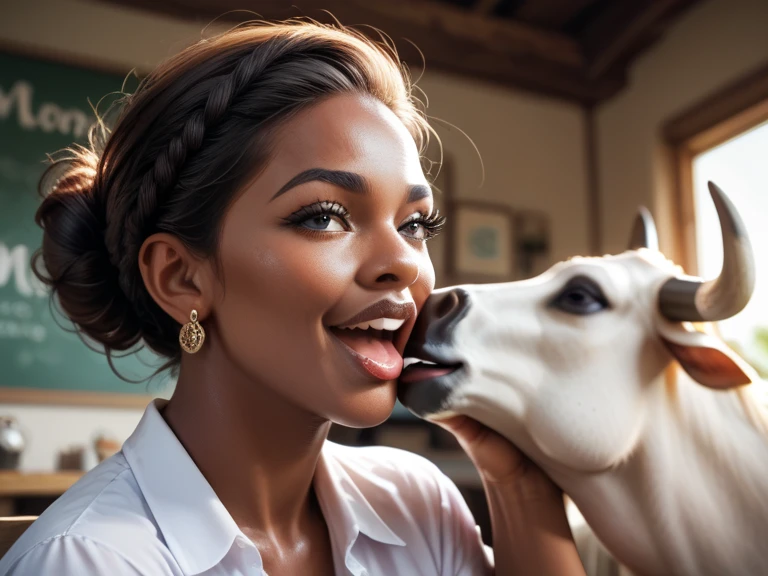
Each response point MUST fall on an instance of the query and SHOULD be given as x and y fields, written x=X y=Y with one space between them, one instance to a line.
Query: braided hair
x=194 y=133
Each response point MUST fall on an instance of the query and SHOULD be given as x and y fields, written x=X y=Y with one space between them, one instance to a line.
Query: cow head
x=565 y=364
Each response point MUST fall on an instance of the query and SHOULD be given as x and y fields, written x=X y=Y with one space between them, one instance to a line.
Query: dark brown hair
x=195 y=131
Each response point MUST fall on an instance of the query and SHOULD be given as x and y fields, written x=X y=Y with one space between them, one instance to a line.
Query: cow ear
x=706 y=358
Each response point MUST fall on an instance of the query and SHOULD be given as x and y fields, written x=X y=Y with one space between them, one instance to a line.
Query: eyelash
x=433 y=223
x=319 y=208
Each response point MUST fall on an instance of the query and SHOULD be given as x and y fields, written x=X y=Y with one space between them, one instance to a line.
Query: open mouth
x=372 y=344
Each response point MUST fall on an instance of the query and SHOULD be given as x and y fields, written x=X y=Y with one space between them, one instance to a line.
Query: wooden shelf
x=15 y=484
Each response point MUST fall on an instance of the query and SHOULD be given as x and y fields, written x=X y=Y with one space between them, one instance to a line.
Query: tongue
x=380 y=351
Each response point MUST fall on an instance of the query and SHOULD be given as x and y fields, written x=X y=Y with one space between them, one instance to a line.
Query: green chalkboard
x=44 y=107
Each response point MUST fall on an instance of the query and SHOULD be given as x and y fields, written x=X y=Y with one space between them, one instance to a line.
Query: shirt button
x=240 y=542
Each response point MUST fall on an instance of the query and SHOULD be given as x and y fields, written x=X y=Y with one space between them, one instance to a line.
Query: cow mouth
x=418 y=370
x=428 y=380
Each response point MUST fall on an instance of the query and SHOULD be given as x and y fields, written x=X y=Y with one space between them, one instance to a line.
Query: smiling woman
x=262 y=195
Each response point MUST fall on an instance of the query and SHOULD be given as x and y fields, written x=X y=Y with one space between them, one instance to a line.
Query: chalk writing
x=22 y=331
x=16 y=309
x=48 y=117
x=15 y=264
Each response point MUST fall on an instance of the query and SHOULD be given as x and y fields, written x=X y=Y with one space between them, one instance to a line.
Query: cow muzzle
x=436 y=369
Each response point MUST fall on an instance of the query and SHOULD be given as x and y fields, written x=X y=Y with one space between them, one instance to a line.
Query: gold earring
x=192 y=335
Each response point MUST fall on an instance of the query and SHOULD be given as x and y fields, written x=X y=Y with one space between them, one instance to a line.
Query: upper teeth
x=378 y=324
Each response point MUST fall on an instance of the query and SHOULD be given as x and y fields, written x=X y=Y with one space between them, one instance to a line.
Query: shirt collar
x=196 y=526
x=198 y=529
x=347 y=509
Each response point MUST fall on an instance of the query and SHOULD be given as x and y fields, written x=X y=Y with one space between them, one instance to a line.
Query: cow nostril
x=447 y=303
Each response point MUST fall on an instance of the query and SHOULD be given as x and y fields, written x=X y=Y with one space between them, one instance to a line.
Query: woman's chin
x=367 y=408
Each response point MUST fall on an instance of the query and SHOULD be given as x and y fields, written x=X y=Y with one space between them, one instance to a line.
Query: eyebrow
x=348 y=181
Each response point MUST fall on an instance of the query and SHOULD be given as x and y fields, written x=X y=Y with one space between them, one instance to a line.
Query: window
x=724 y=138
x=740 y=167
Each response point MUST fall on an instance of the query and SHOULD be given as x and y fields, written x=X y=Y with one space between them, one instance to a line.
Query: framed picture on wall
x=483 y=245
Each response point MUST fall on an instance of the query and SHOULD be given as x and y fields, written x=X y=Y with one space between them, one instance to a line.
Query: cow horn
x=644 y=233
x=697 y=301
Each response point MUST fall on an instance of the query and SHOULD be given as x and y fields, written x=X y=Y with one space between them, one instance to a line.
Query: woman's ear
x=177 y=280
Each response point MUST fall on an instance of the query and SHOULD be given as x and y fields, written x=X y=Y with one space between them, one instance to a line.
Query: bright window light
x=740 y=168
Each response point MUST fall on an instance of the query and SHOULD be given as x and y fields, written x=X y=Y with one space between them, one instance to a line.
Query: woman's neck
x=257 y=450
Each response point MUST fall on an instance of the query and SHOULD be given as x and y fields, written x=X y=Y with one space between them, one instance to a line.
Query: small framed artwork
x=484 y=242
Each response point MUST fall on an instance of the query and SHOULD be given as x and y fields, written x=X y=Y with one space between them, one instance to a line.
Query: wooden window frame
x=718 y=118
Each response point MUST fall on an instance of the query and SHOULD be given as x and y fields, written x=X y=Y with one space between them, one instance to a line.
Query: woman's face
x=334 y=225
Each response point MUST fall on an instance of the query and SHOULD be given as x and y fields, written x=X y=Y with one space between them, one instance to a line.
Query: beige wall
x=532 y=150
x=711 y=46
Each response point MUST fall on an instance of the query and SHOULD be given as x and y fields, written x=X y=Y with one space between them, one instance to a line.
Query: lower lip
x=378 y=371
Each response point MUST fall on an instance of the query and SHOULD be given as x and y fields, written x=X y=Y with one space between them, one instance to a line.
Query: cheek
x=583 y=429
x=589 y=410
x=275 y=291
x=426 y=282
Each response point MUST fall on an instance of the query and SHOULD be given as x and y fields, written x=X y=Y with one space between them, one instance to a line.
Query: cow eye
x=581 y=296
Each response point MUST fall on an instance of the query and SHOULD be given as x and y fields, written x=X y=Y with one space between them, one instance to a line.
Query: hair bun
x=75 y=258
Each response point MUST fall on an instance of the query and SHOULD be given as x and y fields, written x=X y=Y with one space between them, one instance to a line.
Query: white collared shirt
x=149 y=511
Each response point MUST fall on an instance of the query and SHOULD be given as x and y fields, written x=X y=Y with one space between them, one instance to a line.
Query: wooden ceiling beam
x=551 y=14
x=449 y=39
x=484 y=7
x=495 y=34
x=624 y=29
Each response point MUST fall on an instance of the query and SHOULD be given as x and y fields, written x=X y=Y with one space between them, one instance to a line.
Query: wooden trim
x=485 y=7
x=73 y=398
x=624 y=29
x=729 y=112
x=685 y=230
x=446 y=193
x=65 y=58
x=594 y=206
x=11 y=530
x=446 y=38
x=734 y=126
x=719 y=108
x=15 y=484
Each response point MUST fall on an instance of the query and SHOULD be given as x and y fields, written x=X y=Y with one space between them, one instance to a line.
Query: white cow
x=579 y=367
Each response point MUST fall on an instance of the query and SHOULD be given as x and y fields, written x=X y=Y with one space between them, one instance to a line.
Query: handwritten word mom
x=14 y=265
x=49 y=117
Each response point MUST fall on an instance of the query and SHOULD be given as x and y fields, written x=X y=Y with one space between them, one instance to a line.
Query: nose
x=441 y=313
x=390 y=265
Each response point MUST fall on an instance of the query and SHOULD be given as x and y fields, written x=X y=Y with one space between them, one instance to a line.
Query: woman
x=258 y=203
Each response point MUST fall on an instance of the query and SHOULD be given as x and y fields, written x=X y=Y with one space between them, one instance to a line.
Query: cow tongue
x=364 y=343
x=417 y=372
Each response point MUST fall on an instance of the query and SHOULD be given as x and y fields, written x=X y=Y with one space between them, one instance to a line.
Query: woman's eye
x=423 y=227
x=324 y=222
x=322 y=216
x=415 y=230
